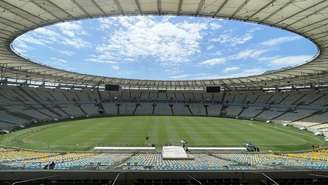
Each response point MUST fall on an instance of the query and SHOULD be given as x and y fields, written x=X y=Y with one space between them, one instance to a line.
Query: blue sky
x=164 y=48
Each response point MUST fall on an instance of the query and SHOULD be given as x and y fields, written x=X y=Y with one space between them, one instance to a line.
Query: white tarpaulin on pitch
x=174 y=152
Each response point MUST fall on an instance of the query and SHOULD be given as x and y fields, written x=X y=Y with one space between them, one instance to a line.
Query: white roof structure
x=305 y=17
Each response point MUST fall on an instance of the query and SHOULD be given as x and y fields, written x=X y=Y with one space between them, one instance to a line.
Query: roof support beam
x=203 y=84
x=10 y=23
x=220 y=8
x=262 y=8
x=199 y=7
x=21 y=12
x=312 y=70
x=242 y=83
x=10 y=64
x=276 y=11
x=319 y=64
x=59 y=8
x=318 y=33
x=80 y=7
x=119 y=7
x=30 y=67
x=325 y=43
x=324 y=40
x=18 y=12
x=308 y=16
x=311 y=24
x=315 y=28
x=3 y=38
x=318 y=38
x=179 y=7
x=159 y=7
x=239 y=8
x=138 y=6
x=6 y=31
x=283 y=75
x=48 y=7
x=65 y=76
x=98 y=7
x=300 y=11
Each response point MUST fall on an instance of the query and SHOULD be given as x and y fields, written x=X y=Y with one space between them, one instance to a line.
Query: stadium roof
x=305 y=17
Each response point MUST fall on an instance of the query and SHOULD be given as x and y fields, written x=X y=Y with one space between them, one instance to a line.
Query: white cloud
x=279 y=40
x=20 y=49
x=143 y=37
x=250 y=72
x=105 y=23
x=102 y=57
x=249 y=53
x=209 y=47
x=66 y=52
x=71 y=29
x=215 y=26
x=213 y=61
x=200 y=76
x=76 y=43
x=181 y=76
x=26 y=40
x=190 y=76
x=291 y=60
x=230 y=69
x=243 y=73
x=58 y=60
x=229 y=39
x=116 y=67
x=267 y=58
x=255 y=54
x=47 y=37
x=46 y=32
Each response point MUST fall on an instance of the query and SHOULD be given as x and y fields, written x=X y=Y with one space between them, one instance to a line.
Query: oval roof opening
x=165 y=47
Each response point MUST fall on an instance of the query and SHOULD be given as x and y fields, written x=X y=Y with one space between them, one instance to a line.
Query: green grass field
x=161 y=130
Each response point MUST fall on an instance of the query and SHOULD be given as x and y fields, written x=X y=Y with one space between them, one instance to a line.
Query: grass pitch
x=132 y=131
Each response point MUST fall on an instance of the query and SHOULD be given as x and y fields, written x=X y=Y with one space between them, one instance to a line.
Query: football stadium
x=63 y=126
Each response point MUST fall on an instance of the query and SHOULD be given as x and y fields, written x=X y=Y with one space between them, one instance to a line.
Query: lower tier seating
x=23 y=106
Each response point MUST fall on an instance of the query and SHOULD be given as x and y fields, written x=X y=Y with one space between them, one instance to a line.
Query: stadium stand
x=24 y=159
x=296 y=96
x=58 y=104
x=24 y=109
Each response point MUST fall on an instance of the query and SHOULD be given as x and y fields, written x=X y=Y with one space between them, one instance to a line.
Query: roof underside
x=305 y=17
